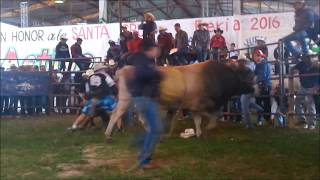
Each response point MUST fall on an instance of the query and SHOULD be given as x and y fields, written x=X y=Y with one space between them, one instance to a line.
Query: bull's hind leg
x=212 y=120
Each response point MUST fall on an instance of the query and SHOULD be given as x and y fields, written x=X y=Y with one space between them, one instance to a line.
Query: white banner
x=40 y=42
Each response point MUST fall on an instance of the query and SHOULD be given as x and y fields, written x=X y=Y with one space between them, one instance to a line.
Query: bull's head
x=246 y=80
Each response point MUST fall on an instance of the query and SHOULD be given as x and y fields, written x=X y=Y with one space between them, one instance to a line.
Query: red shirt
x=217 y=42
x=134 y=45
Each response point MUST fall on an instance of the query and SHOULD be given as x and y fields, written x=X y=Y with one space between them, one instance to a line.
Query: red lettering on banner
x=74 y=33
x=133 y=27
x=236 y=25
x=104 y=32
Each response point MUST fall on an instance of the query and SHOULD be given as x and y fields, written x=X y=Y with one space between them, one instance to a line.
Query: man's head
x=150 y=49
x=63 y=39
x=111 y=43
x=299 y=4
x=258 y=56
x=177 y=27
x=135 y=34
x=124 y=28
x=162 y=29
x=79 y=41
x=149 y=17
x=201 y=26
x=218 y=32
x=232 y=46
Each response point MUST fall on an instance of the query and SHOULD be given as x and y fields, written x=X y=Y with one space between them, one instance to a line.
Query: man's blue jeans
x=296 y=36
x=246 y=104
x=149 y=110
x=201 y=54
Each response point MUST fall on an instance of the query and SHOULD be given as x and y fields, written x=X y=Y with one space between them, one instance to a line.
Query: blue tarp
x=15 y=83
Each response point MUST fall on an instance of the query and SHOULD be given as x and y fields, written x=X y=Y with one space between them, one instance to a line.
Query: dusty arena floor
x=41 y=148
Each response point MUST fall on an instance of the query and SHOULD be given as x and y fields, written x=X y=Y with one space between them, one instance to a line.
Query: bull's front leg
x=197 y=119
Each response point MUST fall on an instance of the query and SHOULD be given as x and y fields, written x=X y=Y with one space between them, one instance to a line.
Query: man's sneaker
x=260 y=123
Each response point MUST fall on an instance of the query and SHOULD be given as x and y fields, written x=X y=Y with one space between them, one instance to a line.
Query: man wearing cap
x=114 y=51
x=165 y=43
x=181 y=43
x=201 y=41
x=144 y=87
x=304 y=20
x=263 y=78
x=125 y=36
x=309 y=85
x=217 y=43
x=98 y=89
x=62 y=52
x=149 y=27
x=261 y=45
x=81 y=60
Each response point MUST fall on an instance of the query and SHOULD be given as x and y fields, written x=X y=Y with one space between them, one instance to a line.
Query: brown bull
x=201 y=88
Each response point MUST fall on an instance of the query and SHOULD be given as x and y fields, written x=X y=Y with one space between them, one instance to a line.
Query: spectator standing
x=134 y=45
x=149 y=27
x=81 y=60
x=308 y=85
x=233 y=54
x=125 y=36
x=62 y=52
x=303 y=21
x=263 y=76
x=165 y=43
x=261 y=45
x=201 y=41
x=217 y=44
x=114 y=51
x=181 y=43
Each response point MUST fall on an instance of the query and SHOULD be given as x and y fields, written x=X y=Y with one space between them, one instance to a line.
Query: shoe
x=150 y=166
x=312 y=127
x=260 y=123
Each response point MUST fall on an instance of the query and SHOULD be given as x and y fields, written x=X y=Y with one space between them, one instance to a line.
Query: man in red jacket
x=165 y=43
x=218 y=43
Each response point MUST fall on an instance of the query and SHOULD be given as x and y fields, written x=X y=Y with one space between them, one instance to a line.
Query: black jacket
x=62 y=50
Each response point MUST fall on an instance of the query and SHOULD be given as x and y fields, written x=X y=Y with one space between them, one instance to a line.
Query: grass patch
x=41 y=148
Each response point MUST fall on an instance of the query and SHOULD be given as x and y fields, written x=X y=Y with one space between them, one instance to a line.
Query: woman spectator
x=149 y=27
x=165 y=43
x=218 y=43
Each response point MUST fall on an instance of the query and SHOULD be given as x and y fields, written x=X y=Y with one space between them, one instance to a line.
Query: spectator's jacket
x=149 y=29
x=217 y=42
x=124 y=38
x=62 y=50
x=263 y=48
x=147 y=78
x=201 y=39
x=304 y=19
x=76 y=51
x=311 y=81
x=165 y=41
x=181 y=40
x=263 y=74
x=134 y=45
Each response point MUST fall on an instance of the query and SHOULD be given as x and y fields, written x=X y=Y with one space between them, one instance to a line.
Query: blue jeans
x=149 y=110
x=201 y=54
x=296 y=36
x=246 y=104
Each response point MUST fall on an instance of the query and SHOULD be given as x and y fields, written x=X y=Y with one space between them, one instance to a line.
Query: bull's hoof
x=211 y=126
x=109 y=140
